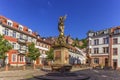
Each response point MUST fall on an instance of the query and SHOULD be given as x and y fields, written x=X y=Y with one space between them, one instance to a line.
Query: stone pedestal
x=61 y=55
x=61 y=59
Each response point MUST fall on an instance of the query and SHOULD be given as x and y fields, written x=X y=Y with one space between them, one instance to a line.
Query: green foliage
x=5 y=46
x=76 y=43
x=33 y=53
x=50 y=54
x=84 y=44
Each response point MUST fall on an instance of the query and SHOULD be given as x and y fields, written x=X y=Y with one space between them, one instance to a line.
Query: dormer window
x=116 y=31
x=30 y=31
x=20 y=27
x=9 y=23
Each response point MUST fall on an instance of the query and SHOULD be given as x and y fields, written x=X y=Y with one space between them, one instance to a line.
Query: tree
x=76 y=42
x=50 y=54
x=84 y=41
x=33 y=53
x=5 y=46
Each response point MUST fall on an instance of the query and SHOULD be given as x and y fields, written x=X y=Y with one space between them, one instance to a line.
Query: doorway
x=115 y=64
x=106 y=61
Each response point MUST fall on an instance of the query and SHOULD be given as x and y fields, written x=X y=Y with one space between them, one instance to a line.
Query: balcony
x=23 y=48
x=22 y=51
x=100 y=54
x=23 y=41
x=42 y=48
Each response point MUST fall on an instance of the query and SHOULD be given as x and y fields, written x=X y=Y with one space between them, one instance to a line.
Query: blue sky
x=82 y=15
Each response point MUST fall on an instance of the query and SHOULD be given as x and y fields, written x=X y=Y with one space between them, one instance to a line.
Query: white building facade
x=19 y=36
x=104 y=48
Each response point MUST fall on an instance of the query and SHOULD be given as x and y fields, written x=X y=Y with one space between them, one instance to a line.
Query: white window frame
x=10 y=32
x=30 y=31
x=29 y=39
x=14 y=45
x=21 y=58
x=6 y=31
x=20 y=27
x=17 y=35
x=14 y=34
x=21 y=36
x=9 y=23
x=14 y=55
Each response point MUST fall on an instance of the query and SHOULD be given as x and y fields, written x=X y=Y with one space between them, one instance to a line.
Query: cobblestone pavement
x=29 y=74
x=101 y=74
x=19 y=74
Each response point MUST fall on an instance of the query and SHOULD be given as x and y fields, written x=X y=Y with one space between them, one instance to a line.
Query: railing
x=43 y=48
x=23 y=48
x=22 y=51
x=98 y=54
x=21 y=40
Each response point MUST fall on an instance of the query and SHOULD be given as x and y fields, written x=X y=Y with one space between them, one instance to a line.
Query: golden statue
x=61 y=38
x=61 y=25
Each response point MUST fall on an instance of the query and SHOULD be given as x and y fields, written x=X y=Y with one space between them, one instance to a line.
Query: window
x=115 y=51
x=90 y=42
x=30 y=31
x=115 y=40
x=14 y=58
x=33 y=40
x=18 y=46
x=116 y=31
x=3 y=31
x=105 y=40
x=29 y=39
x=21 y=36
x=10 y=33
x=9 y=23
x=20 y=27
x=6 y=32
x=14 y=45
x=105 y=49
x=96 y=41
x=14 y=34
x=25 y=37
x=96 y=50
x=96 y=60
x=21 y=58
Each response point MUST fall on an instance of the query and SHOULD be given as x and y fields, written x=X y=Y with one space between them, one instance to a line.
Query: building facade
x=43 y=45
x=103 y=47
x=18 y=35
x=76 y=56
